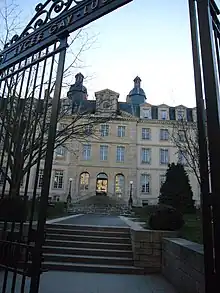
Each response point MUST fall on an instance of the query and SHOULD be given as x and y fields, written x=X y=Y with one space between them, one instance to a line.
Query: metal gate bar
x=205 y=32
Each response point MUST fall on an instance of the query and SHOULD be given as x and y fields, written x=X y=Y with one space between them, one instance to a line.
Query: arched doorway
x=119 y=185
x=102 y=184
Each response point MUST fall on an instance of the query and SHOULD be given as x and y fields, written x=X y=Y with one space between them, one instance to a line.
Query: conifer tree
x=176 y=190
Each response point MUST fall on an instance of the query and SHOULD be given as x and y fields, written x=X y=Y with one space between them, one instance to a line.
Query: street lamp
x=69 y=198
x=130 y=202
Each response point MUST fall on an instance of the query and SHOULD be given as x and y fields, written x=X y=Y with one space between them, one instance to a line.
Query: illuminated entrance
x=102 y=184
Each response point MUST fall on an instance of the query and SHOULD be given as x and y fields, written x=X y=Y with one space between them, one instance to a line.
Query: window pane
x=84 y=181
x=164 y=156
x=121 y=131
x=104 y=130
x=145 y=155
x=86 y=151
x=103 y=152
x=119 y=184
x=145 y=133
x=145 y=183
x=164 y=134
x=40 y=178
x=120 y=154
x=58 y=179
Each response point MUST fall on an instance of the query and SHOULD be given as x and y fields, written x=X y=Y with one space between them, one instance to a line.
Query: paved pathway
x=71 y=282
x=96 y=220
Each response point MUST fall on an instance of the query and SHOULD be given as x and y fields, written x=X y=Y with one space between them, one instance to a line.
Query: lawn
x=192 y=229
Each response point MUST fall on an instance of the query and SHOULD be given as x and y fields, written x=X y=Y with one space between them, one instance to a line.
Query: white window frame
x=121 y=131
x=145 y=183
x=104 y=130
x=146 y=113
x=162 y=116
x=146 y=133
x=162 y=179
x=87 y=149
x=164 y=134
x=40 y=178
x=164 y=159
x=182 y=115
x=120 y=154
x=103 y=152
x=145 y=155
x=58 y=180
x=60 y=151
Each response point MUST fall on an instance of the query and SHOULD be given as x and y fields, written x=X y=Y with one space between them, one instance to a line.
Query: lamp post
x=69 y=198
x=130 y=202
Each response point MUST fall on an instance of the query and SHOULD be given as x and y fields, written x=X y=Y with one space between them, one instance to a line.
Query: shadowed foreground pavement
x=71 y=282
x=95 y=220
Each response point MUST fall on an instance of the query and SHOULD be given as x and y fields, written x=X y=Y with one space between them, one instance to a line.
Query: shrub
x=166 y=218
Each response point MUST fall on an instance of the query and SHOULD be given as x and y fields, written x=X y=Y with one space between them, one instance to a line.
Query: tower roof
x=137 y=94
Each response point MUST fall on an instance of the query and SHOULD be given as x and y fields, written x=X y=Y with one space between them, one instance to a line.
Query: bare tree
x=9 y=20
x=25 y=110
x=184 y=136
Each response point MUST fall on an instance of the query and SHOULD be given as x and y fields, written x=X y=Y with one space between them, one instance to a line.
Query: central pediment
x=106 y=92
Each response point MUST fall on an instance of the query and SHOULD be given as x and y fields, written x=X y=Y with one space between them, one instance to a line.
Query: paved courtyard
x=71 y=282
x=95 y=220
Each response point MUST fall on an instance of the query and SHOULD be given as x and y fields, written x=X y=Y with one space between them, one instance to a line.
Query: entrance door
x=102 y=184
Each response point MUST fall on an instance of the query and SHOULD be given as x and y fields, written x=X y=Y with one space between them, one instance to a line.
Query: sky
x=147 y=38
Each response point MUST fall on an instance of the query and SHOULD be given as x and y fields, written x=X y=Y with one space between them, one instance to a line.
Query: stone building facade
x=132 y=151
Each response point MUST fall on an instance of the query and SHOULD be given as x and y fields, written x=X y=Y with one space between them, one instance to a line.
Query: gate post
x=37 y=253
x=203 y=156
x=211 y=89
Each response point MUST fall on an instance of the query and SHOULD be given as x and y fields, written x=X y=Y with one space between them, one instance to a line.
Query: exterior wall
x=155 y=168
x=183 y=265
x=94 y=166
x=73 y=164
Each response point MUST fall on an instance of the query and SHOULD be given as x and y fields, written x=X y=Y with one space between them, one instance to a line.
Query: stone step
x=85 y=251
x=85 y=238
x=95 y=245
x=88 y=227
x=99 y=260
x=121 y=234
x=93 y=268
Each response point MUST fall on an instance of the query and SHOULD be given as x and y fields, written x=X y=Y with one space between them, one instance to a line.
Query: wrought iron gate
x=205 y=32
x=31 y=72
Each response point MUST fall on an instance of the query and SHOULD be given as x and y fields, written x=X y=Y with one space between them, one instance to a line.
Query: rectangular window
x=180 y=114
x=58 y=179
x=60 y=151
x=2 y=176
x=163 y=114
x=120 y=154
x=146 y=113
x=40 y=178
x=164 y=134
x=146 y=133
x=103 y=152
x=104 y=130
x=145 y=156
x=162 y=179
x=87 y=152
x=121 y=131
x=145 y=183
x=88 y=129
x=181 y=135
x=164 y=156
x=182 y=157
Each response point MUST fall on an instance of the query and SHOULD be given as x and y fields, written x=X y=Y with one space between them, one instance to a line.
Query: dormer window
x=163 y=114
x=146 y=113
x=180 y=114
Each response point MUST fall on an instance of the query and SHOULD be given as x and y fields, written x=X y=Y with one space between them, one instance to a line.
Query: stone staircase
x=94 y=249
x=100 y=205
